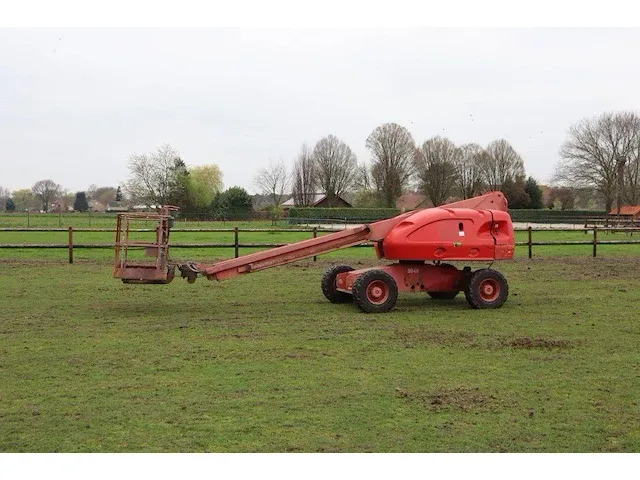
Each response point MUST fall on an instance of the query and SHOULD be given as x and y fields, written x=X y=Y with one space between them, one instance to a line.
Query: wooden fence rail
x=236 y=245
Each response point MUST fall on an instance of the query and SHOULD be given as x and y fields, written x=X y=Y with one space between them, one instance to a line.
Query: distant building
x=58 y=207
x=262 y=201
x=631 y=212
x=319 y=201
x=411 y=201
x=96 y=206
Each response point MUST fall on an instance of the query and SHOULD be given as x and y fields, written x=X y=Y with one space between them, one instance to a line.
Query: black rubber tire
x=444 y=295
x=361 y=285
x=329 y=284
x=474 y=293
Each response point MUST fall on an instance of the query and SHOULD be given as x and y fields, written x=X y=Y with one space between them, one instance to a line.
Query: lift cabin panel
x=451 y=234
x=503 y=233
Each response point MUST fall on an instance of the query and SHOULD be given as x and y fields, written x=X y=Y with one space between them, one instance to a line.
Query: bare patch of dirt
x=460 y=398
x=543 y=343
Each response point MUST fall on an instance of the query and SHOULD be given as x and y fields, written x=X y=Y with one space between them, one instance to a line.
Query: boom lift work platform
x=473 y=230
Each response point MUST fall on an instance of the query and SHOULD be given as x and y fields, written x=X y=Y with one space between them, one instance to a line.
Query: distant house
x=320 y=201
x=96 y=206
x=262 y=201
x=411 y=201
x=629 y=211
x=58 y=207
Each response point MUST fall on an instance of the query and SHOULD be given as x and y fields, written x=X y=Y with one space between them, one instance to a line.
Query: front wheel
x=487 y=289
x=375 y=291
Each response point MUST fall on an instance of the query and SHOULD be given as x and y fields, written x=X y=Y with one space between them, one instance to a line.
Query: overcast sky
x=74 y=103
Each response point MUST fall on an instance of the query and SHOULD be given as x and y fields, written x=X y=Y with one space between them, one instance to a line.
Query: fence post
x=235 y=235
x=70 y=244
x=530 y=242
x=28 y=221
x=585 y=227
x=315 y=234
x=595 y=239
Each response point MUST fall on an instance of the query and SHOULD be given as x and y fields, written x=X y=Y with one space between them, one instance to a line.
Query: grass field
x=264 y=363
x=108 y=220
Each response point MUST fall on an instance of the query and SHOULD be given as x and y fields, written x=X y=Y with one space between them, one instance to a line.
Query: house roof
x=411 y=201
x=318 y=197
x=626 y=210
x=260 y=201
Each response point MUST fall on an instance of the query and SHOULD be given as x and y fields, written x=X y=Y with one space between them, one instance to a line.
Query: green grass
x=263 y=363
x=108 y=220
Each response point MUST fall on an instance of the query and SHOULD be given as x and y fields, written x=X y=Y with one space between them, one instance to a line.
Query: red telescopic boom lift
x=474 y=230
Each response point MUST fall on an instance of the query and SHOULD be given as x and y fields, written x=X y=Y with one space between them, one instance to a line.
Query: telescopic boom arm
x=375 y=232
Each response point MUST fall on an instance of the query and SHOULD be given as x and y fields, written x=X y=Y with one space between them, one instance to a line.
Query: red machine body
x=453 y=234
x=477 y=229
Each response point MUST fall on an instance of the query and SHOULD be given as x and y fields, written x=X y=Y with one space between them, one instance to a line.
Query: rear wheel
x=375 y=291
x=487 y=289
x=329 y=284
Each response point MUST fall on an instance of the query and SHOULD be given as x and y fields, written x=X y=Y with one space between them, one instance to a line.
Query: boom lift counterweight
x=477 y=229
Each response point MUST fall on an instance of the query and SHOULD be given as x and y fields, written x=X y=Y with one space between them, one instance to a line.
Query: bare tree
x=335 y=166
x=631 y=189
x=5 y=194
x=631 y=176
x=469 y=178
x=103 y=195
x=304 y=178
x=392 y=148
x=363 y=177
x=65 y=200
x=597 y=152
x=501 y=163
x=564 y=196
x=151 y=175
x=273 y=180
x=46 y=191
x=436 y=165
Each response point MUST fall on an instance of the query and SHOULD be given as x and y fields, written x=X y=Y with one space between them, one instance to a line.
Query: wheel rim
x=489 y=290
x=377 y=292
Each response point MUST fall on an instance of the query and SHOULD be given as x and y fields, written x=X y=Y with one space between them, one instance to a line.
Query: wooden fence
x=70 y=245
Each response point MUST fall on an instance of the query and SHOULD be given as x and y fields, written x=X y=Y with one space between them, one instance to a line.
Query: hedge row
x=547 y=216
x=370 y=214
x=342 y=213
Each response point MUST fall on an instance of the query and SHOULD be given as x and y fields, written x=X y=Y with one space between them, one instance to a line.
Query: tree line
x=437 y=168
x=600 y=159
x=603 y=153
x=47 y=195
x=156 y=178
